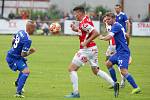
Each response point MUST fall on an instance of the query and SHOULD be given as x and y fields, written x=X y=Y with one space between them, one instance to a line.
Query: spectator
x=45 y=28
x=11 y=15
x=24 y=14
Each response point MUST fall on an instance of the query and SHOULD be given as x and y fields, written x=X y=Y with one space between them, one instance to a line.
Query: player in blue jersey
x=121 y=57
x=122 y=18
x=16 y=55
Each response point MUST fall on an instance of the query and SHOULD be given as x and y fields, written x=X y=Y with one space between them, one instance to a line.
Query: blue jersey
x=118 y=32
x=122 y=19
x=21 y=43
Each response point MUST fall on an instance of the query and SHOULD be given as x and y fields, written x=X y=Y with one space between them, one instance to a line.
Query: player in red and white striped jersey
x=88 y=51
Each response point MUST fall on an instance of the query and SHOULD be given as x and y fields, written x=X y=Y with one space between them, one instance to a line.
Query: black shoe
x=116 y=89
x=16 y=83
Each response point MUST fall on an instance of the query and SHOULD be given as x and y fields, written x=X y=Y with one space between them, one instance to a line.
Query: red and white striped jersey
x=86 y=26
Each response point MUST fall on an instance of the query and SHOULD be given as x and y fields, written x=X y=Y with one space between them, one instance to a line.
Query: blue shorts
x=16 y=64
x=122 y=60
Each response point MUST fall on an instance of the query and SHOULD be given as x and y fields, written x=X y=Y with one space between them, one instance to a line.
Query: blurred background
x=44 y=12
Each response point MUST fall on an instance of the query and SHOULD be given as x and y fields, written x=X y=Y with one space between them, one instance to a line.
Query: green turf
x=49 y=78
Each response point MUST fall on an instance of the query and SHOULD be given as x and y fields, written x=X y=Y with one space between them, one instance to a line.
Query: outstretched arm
x=105 y=38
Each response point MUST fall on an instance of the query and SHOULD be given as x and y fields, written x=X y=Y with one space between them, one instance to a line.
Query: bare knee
x=108 y=64
x=73 y=67
x=26 y=71
x=95 y=70
x=124 y=71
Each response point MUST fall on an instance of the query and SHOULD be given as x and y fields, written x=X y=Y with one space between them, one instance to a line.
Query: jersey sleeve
x=125 y=18
x=87 y=27
x=114 y=30
x=13 y=40
x=26 y=46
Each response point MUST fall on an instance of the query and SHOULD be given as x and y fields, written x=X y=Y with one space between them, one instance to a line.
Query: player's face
x=31 y=29
x=117 y=9
x=104 y=20
x=108 y=20
x=78 y=15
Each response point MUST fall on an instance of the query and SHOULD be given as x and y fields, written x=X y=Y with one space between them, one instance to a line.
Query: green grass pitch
x=49 y=78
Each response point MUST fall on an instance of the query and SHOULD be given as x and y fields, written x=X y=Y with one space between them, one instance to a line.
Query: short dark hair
x=110 y=14
x=80 y=8
x=118 y=5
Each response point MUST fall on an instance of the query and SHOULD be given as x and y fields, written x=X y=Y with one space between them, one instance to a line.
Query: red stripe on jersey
x=112 y=41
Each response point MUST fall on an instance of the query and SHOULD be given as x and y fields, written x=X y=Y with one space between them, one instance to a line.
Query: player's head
x=30 y=27
x=104 y=19
x=109 y=18
x=118 y=8
x=79 y=12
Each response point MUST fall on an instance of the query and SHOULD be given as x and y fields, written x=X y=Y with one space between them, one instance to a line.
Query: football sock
x=21 y=82
x=122 y=77
x=105 y=76
x=74 y=80
x=131 y=80
x=20 y=73
x=113 y=74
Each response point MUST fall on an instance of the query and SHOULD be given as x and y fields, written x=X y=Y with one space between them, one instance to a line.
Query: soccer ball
x=55 y=28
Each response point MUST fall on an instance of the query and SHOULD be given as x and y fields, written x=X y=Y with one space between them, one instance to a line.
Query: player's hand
x=74 y=27
x=84 y=44
x=101 y=37
x=32 y=50
x=128 y=35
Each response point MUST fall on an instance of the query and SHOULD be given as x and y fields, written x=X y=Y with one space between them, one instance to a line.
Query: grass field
x=49 y=78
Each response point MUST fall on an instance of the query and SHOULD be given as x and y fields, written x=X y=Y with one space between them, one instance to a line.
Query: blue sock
x=113 y=74
x=18 y=77
x=131 y=80
x=21 y=82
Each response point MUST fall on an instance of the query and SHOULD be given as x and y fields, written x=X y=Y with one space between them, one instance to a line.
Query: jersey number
x=17 y=39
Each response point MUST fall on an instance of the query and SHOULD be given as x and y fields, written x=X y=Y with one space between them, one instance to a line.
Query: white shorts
x=111 y=50
x=86 y=55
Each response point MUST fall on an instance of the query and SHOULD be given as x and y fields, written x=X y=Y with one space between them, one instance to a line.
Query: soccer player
x=122 y=18
x=88 y=52
x=16 y=55
x=121 y=57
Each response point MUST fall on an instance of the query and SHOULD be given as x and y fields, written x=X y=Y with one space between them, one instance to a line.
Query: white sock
x=122 y=77
x=74 y=80
x=105 y=76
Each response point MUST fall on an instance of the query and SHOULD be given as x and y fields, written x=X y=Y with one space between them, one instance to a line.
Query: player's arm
x=127 y=38
x=128 y=27
x=25 y=54
x=25 y=50
x=128 y=31
x=92 y=37
x=106 y=38
x=74 y=27
x=89 y=30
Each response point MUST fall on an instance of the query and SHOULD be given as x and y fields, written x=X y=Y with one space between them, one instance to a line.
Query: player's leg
x=123 y=79
x=93 y=60
x=123 y=64
x=102 y=74
x=78 y=60
x=74 y=79
x=131 y=80
x=22 y=67
x=16 y=82
x=109 y=63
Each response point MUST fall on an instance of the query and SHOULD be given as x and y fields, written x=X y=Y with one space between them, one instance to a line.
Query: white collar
x=83 y=18
x=119 y=13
